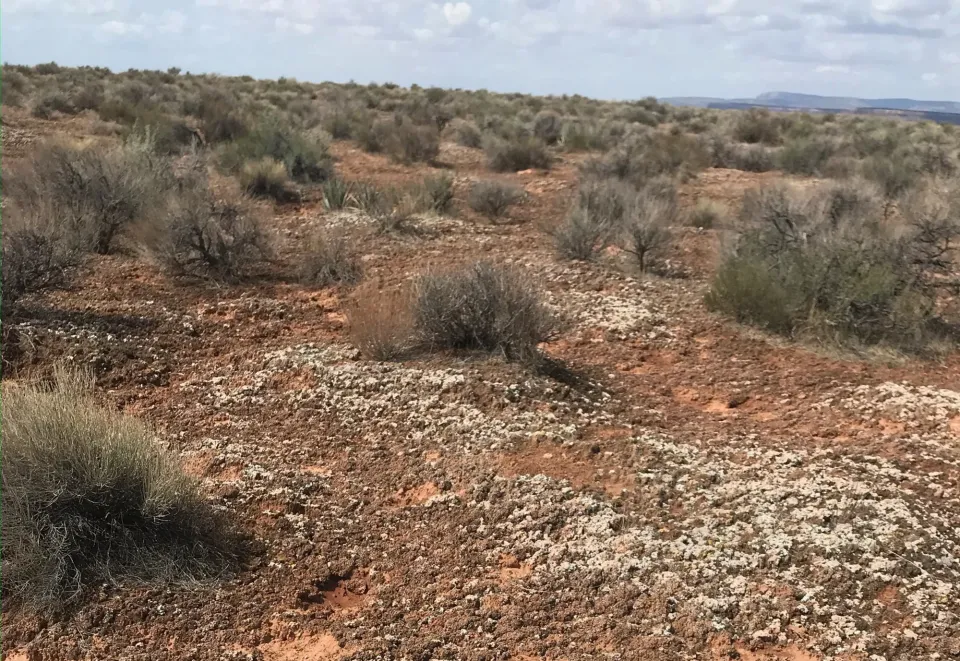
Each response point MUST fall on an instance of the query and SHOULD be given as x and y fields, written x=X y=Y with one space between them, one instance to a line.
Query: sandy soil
x=704 y=492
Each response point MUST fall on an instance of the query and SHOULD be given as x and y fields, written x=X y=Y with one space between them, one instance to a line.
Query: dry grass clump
x=381 y=324
x=708 y=214
x=267 y=177
x=89 y=497
x=330 y=260
x=435 y=194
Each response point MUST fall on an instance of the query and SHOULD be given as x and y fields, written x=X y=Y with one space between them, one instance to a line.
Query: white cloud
x=121 y=28
x=930 y=77
x=172 y=21
x=950 y=58
x=457 y=13
x=423 y=34
x=832 y=68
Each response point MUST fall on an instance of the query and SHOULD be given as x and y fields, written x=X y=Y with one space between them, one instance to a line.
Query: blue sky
x=600 y=48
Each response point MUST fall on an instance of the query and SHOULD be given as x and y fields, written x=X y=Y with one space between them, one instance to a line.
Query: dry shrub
x=482 y=307
x=523 y=153
x=53 y=102
x=745 y=157
x=707 y=215
x=90 y=498
x=646 y=224
x=410 y=143
x=493 y=198
x=266 y=177
x=466 y=133
x=381 y=324
x=436 y=194
x=93 y=193
x=582 y=235
x=202 y=234
x=651 y=155
x=548 y=126
x=401 y=139
x=330 y=260
x=757 y=126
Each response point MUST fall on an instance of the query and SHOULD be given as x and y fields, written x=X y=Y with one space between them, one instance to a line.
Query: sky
x=610 y=49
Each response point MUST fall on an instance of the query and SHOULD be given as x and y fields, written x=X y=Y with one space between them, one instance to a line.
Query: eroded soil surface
x=698 y=491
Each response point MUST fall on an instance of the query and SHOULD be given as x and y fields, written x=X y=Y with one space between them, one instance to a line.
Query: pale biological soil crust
x=711 y=493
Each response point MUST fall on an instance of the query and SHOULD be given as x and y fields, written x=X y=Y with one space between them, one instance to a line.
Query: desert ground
x=688 y=487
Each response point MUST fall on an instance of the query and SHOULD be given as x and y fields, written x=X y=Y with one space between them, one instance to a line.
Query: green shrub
x=648 y=156
x=806 y=156
x=374 y=135
x=90 y=498
x=47 y=69
x=337 y=193
x=409 y=143
x=748 y=158
x=747 y=289
x=306 y=159
x=894 y=176
x=330 y=260
x=266 y=177
x=55 y=101
x=493 y=198
x=482 y=307
x=757 y=126
x=520 y=154
x=854 y=281
x=605 y=200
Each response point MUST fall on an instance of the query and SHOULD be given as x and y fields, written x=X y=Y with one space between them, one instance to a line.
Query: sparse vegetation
x=90 y=498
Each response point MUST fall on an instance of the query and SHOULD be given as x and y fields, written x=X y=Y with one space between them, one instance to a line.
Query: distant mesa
x=939 y=111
